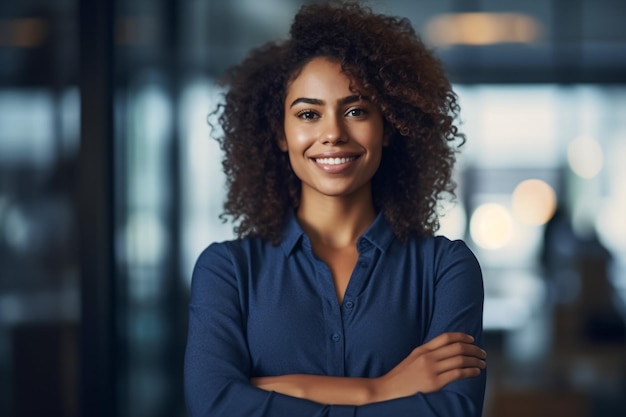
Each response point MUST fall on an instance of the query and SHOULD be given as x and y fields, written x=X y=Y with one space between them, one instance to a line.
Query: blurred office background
x=110 y=186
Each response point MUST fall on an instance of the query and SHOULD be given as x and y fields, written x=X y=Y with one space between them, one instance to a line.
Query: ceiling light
x=482 y=29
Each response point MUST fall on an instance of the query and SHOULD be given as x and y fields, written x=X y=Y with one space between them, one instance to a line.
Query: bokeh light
x=585 y=157
x=491 y=226
x=534 y=202
x=452 y=220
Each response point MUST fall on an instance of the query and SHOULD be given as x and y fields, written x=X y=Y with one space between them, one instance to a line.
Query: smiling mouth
x=335 y=161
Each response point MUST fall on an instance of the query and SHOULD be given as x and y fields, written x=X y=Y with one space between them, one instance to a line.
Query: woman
x=337 y=299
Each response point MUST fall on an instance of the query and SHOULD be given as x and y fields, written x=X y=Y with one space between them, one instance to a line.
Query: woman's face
x=334 y=136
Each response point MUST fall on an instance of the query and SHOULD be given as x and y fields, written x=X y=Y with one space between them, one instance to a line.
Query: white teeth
x=334 y=161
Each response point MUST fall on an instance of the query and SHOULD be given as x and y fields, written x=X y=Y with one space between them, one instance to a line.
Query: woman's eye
x=356 y=113
x=307 y=115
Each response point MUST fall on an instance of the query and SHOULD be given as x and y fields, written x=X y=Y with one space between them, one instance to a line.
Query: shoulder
x=439 y=246
x=238 y=257
x=443 y=254
x=448 y=250
x=233 y=252
x=214 y=264
x=222 y=267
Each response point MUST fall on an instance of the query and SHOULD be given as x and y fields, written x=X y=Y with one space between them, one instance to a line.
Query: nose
x=332 y=131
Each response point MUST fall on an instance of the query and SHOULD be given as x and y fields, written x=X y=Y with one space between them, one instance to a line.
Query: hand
x=430 y=367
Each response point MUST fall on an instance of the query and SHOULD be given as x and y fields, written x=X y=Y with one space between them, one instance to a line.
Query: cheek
x=375 y=138
x=297 y=138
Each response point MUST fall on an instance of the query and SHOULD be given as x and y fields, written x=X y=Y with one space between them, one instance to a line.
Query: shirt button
x=363 y=264
x=336 y=337
x=349 y=305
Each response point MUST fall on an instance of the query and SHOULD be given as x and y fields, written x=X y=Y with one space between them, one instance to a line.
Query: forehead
x=320 y=76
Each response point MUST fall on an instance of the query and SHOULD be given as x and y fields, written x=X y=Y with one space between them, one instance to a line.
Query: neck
x=336 y=222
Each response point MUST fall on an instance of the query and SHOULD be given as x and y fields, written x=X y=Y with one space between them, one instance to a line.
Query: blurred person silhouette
x=577 y=272
x=557 y=256
x=337 y=298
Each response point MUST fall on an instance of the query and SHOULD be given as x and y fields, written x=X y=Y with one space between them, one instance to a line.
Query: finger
x=448 y=338
x=448 y=351
x=464 y=349
x=459 y=362
x=456 y=375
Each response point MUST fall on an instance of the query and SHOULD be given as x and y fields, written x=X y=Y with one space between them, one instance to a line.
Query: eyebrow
x=317 y=102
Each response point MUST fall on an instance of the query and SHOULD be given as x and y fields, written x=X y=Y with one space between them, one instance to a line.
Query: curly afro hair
x=382 y=55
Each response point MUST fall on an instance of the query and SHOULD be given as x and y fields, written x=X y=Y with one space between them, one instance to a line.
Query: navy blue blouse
x=263 y=310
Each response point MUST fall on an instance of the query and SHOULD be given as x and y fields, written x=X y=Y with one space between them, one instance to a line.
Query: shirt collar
x=378 y=234
x=292 y=233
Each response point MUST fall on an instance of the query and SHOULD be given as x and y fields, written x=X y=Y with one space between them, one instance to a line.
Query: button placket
x=334 y=322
